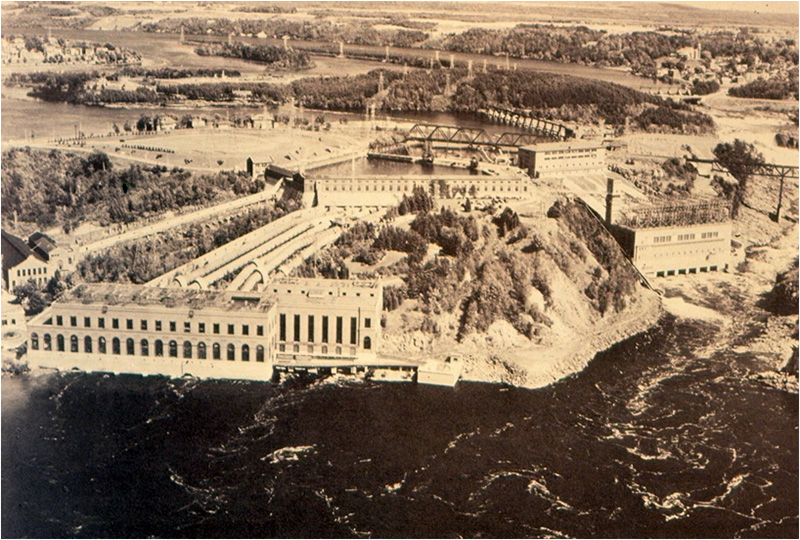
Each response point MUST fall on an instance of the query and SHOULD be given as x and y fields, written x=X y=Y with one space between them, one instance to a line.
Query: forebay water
x=655 y=438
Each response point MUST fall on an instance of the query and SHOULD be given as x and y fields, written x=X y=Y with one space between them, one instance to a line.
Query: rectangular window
x=173 y=326
x=282 y=330
x=339 y=329
x=367 y=322
x=158 y=326
x=143 y=324
x=129 y=324
x=187 y=326
x=231 y=329
x=59 y=320
x=216 y=328
x=245 y=329
x=73 y=321
x=87 y=322
x=325 y=329
x=101 y=322
x=311 y=329
x=259 y=330
x=297 y=327
x=353 y=330
x=115 y=323
x=201 y=327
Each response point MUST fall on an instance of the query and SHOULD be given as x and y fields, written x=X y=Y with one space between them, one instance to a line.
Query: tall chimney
x=610 y=201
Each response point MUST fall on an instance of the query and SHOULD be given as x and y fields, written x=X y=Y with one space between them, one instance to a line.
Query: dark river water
x=658 y=437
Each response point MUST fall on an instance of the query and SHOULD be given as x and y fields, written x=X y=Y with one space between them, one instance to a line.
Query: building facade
x=677 y=249
x=549 y=159
x=208 y=334
x=451 y=186
x=23 y=263
x=326 y=318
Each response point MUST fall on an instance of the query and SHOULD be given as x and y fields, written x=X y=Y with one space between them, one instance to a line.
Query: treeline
x=263 y=54
x=143 y=260
x=340 y=93
x=748 y=46
x=355 y=32
x=774 y=88
x=573 y=44
x=173 y=73
x=52 y=188
x=417 y=90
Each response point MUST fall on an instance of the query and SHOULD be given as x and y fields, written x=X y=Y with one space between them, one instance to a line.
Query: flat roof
x=323 y=283
x=113 y=294
x=568 y=145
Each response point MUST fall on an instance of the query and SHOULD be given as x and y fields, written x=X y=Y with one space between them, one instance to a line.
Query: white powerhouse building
x=210 y=334
x=542 y=160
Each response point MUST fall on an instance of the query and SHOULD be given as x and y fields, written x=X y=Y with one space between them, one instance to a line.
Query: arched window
x=338 y=350
x=296 y=348
x=231 y=352
x=101 y=345
x=260 y=353
x=201 y=351
x=35 y=341
x=367 y=343
x=216 y=351
x=245 y=353
x=129 y=347
x=324 y=349
x=173 y=349
x=87 y=344
x=159 y=348
x=187 y=349
x=144 y=347
x=73 y=343
x=48 y=343
x=115 y=346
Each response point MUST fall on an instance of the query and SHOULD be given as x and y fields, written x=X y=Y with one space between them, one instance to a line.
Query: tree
x=741 y=159
x=30 y=296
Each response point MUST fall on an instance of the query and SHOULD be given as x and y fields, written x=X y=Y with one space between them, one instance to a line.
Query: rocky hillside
x=524 y=300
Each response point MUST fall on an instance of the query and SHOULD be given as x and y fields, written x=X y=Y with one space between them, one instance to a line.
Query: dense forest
x=573 y=44
x=774 y=88
x=355 y=32
x=53 y=188
x=275 y=57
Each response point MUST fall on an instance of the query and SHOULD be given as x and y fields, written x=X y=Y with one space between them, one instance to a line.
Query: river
x=656 y=438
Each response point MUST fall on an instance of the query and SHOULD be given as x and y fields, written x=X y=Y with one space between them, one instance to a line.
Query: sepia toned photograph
x=412 y=269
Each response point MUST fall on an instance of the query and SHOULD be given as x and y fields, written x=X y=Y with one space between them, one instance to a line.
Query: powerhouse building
x=549 y=159
x=445 y=187
x=209 y=334
x=678 y=239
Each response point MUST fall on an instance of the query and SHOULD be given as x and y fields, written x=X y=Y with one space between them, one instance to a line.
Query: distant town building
x=550 y=159
x=214 y=334
x=676 y=239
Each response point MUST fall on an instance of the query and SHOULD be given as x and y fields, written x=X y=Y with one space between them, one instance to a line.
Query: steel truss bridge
x=474 y=137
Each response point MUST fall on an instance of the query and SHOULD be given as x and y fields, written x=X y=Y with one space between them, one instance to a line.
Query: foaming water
x=652 y=439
